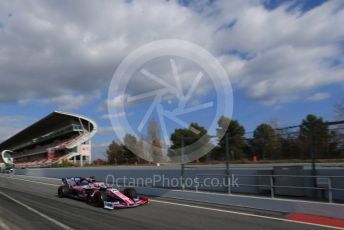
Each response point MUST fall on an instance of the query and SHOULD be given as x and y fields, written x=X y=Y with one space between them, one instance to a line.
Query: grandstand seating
x=59 y=132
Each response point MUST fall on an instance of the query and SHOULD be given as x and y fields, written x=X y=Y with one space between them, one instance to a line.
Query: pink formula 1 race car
x=97 y=193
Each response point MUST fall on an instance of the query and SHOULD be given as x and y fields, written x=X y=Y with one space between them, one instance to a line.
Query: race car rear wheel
x=130 y=193
x=62 y=191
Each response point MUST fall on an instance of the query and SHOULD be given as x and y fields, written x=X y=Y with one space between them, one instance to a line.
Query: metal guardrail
x=324 y=183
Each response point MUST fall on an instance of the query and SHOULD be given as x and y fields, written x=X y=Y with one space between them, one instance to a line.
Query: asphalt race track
x=32 y=203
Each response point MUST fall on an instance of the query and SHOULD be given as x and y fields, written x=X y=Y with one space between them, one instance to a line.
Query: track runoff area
x=32 y=203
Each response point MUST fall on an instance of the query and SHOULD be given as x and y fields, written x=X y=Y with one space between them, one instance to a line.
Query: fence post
x=272 y=187
x=197 y=184
x=313 y=157
x=229 y=184
x=330 y=197
x=227 y=164
x=182 y=163
x=182 y=176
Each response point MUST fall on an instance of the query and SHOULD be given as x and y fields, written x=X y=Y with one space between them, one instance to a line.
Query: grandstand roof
x=45 y=125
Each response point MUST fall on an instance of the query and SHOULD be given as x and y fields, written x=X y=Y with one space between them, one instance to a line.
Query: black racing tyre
x=62 y=191
x=130 y=193
x=89 y=199
x=99 y=199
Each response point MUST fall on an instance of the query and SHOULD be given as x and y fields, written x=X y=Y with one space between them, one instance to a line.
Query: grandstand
x=58 y=137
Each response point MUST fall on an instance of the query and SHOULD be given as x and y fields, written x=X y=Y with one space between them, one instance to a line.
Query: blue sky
x=284 y=58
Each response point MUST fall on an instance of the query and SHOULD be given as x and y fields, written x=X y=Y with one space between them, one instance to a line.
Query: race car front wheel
x=130 y=193
x=99 y=199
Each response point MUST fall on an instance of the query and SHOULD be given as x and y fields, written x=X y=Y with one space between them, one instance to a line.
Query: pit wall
x=243 y=180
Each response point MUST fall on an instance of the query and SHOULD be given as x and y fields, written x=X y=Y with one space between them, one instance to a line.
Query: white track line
x=242 y=213
x=38 y=182
x=42 y=177
x=3 y=225
x=259 y=197
x=213 y=209
x=63 y=226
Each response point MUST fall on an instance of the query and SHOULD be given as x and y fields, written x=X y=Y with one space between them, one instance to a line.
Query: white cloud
x=71 y=102
x=73 y=48
x=105 y=130
x=117 y=101
x=318 y=97
x=108 y=130
x=291 y=53
x=284 y=73
x=118 y=115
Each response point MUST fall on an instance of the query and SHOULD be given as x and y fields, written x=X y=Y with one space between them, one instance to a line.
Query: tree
x=291 y=147
x=123 y=153
x=235 y=136
x=339 y=110
x=115 y=153
x=140 y=150
x=186 y=137
x=339 y=115
x=154 y=141
x=315 y=135
x=130 y=148
x=99 y=162
x=266 y=142
x=189 y=135
x=130 y=141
